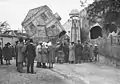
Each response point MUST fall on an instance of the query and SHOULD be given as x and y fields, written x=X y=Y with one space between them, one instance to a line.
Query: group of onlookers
x=77 y=52
x=28 y=52
x=47 y=53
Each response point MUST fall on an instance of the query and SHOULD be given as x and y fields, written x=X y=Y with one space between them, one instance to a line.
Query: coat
x=91 y=52
x=44 y=55
x=30 y=52
x=20 y=52
x=39 y=53
x=66 y=52
x=59 y=52
x=0 y=53
x=71 y=53
x=86 y=53
x=13 y=51
x=51 y=54
x=7 y=53
x=78 y=50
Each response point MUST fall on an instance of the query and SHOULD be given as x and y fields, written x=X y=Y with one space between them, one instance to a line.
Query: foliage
x=108 y=10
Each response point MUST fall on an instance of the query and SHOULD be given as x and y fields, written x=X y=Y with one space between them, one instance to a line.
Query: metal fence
x=110 y=47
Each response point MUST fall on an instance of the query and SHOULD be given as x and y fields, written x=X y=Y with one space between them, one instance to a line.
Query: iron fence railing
x=110 y=47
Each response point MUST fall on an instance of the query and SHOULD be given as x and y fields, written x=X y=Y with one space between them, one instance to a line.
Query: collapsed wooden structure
x=41 y=24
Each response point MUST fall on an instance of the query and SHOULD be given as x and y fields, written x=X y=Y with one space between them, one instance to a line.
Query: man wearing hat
x=78 y=52
x=31 y=54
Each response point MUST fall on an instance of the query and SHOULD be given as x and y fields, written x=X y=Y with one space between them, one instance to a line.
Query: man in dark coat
x=66 y=52
x=1 y=58
x=78 y=52
x=7 y=53
x=16 y=53
x=5 y=48
x=31 y=54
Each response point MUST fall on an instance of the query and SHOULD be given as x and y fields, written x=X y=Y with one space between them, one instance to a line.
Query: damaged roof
x=33 y=12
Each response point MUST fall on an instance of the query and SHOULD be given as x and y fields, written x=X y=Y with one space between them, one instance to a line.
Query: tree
x=108 y=10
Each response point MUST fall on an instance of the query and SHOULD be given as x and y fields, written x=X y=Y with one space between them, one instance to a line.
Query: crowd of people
x=77 y=52
x=46 y=54
x=26 y=52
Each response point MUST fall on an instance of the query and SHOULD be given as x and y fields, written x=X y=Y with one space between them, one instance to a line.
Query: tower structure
x=75 y=29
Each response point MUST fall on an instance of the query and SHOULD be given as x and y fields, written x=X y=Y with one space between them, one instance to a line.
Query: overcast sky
x=14 y=11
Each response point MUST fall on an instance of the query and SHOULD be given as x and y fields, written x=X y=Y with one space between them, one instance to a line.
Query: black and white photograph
x=59 y=41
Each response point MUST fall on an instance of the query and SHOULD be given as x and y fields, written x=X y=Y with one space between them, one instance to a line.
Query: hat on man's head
x=31 y=40
x=78 y=40
x=8 y=43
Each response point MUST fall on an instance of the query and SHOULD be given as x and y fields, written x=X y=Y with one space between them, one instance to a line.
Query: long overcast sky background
x=14 y=11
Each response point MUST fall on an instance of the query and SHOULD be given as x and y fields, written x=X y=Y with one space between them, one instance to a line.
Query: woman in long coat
x=51 y=54
x=44 y=56
x=72 y=53
x=39 y=55
x=20 y=59
x=66 y=52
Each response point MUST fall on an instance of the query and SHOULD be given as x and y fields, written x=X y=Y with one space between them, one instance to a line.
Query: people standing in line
x=78 y=52
x=31 y=54
x=72 y=53
x=20 y=56
x=96 y=52
x=1 y=57
x=51 y=54
x=39 y=55
x=66 y=52
x=44 y=56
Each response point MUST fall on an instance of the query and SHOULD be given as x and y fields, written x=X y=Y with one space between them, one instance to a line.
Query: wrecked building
x=41 y=24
